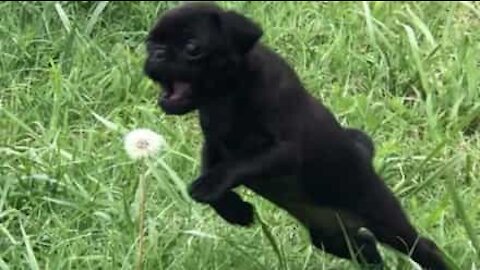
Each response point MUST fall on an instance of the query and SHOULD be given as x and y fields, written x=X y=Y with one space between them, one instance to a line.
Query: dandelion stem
x=141 y=220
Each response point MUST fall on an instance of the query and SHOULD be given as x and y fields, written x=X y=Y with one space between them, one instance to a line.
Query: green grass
x=408 y=73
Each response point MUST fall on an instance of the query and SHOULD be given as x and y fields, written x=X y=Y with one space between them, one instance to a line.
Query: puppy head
x=192 y=49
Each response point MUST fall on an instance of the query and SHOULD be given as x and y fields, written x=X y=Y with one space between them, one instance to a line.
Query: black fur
x=264 y=131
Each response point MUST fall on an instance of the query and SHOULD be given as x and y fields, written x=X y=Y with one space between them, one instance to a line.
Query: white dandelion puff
x=142 y=143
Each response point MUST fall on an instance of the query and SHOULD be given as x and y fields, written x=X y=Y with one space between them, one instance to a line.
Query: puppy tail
x=364 y=142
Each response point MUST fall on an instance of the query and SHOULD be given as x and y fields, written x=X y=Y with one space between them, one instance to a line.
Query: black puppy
x=264 y=131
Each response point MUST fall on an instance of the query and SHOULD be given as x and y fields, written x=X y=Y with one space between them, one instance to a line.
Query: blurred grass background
x=407 y=73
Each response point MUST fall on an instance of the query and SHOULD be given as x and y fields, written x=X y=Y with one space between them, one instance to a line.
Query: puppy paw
x=241 y=214
x=199 y=191
x=208 y=188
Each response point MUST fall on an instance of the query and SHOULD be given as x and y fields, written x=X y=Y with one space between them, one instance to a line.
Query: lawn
x=71 y=84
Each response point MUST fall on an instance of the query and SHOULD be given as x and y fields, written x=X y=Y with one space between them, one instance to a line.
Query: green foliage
x=407 y=73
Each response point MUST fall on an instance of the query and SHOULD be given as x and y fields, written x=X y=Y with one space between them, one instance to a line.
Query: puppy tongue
x=180 y=90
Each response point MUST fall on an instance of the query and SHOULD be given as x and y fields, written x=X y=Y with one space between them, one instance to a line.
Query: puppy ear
x=242 y=32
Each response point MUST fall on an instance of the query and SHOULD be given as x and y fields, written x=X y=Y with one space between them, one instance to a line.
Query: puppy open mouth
x=177 y=91
x=176 y=97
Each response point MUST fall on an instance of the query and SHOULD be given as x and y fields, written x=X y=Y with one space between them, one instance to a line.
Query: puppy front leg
x=210 y=157
x=280 y=159
x=230 y=206
x=233 y=209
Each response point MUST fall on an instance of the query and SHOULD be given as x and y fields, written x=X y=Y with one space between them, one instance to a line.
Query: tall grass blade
x=271 y=238
x=462 y=213
x=63 y=17
x=95 y=16
x=32 y=261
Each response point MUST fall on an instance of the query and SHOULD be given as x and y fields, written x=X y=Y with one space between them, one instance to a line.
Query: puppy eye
x=192 y=50
x=159 y=53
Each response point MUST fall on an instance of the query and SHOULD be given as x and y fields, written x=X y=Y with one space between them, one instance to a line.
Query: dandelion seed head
x=142 y=143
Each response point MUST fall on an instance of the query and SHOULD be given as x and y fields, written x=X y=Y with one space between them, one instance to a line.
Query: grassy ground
x=406 y=73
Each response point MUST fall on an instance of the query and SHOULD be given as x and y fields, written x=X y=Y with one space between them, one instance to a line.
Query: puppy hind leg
x=429 y=255
x=359 y=247
x=368 y=246
x=404 y=239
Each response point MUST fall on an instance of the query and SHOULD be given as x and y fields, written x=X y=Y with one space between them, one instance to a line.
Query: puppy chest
x=290 y=194
x=282 y=191
x=242 y=142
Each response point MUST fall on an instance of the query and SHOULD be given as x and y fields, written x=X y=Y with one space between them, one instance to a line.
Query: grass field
x=407 y=73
